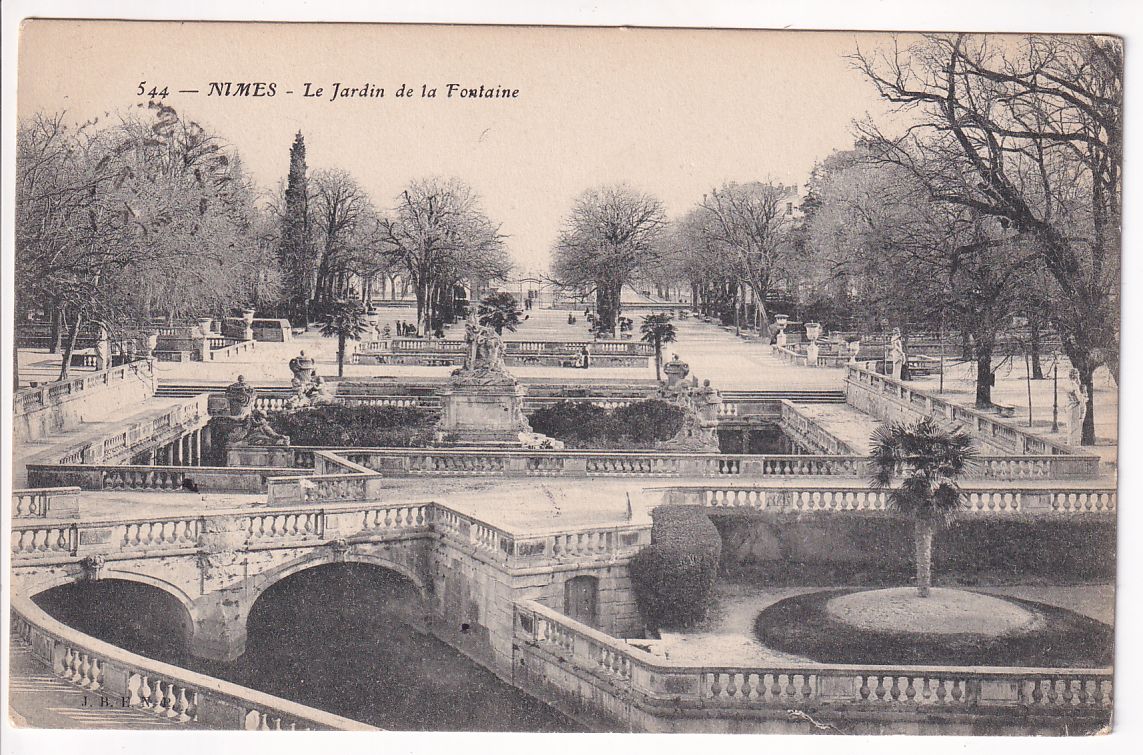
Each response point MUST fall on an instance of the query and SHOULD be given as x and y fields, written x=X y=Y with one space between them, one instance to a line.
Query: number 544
x=155 y=91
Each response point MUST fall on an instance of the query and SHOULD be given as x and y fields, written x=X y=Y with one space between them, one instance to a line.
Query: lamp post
x=1056 y=395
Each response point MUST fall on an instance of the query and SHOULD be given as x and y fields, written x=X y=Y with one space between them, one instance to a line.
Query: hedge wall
x=673 y=576
x=857 y=549
x=581 y=424
x=366 y=426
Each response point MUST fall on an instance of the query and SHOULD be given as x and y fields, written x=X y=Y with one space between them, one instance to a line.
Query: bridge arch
x=42 y=583
x=269 y=578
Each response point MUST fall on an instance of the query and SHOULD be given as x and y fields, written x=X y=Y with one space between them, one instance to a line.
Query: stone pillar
x=177 y=452
x=198 y=447
x=218 y=629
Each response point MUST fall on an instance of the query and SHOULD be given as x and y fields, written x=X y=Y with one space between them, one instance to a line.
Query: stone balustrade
x=45 y=503
x=538 y=546
x=156 y=478
x=656 y=684
x=836 y=498
x=561 y=348
x=54 y=542
x=131 y=438
x=406 y=462
x=167 y=692
x=227 y=348
x=63 y=405
x=28 y=400
x=887 y=398
x=806 y=431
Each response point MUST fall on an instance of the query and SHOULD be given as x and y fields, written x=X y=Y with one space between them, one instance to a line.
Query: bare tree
x=439 y=234
x=610 y=235
x=1037 y=123
x=752 y=223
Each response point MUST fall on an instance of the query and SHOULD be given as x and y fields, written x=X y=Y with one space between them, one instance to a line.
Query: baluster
x=145 y=693
x=85 y=672
x=182 y=705
x=65 y=670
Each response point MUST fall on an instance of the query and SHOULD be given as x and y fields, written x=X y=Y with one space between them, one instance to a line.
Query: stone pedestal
x=482 y=413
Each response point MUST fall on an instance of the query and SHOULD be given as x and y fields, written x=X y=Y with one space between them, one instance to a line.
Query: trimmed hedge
x=581 y=424
x=834 y=548
x=364 y=426
x=674 y=576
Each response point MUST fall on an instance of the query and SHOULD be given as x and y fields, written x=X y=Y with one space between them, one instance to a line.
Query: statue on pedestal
x=247 y=426
x=896 y=356
x=700 y=406
x=1077 y=407
x=483 y=402
x=484 y=356
x=309 y=388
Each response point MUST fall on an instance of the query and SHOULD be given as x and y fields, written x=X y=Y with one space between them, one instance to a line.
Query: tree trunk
x=1034 y=347
x=341 y=355
x=658 y=360
x=56 y=336
x=70 y=347
x=1087 y=377
x=983 y=377
x=923 y=554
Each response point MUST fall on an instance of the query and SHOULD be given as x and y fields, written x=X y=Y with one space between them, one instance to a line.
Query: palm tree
x=346 y=322
x=499 y=311
x=929 y=460
x=657 y=330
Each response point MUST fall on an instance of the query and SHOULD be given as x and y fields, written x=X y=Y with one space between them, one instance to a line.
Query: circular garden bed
x=951 y=627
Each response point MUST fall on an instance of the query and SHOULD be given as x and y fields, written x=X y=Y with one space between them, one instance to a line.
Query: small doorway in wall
x=581 y=600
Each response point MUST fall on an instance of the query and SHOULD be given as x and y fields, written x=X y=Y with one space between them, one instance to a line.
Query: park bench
x=1004 y=410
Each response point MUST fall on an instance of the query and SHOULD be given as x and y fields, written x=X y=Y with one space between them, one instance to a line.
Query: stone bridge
x=217 y=563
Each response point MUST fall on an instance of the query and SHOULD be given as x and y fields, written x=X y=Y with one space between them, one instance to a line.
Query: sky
x=673 y=112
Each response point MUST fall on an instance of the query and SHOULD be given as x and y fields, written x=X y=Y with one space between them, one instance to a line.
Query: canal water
x=342 y=638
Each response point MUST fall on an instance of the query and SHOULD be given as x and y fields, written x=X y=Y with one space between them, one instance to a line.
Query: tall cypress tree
x=295 y=247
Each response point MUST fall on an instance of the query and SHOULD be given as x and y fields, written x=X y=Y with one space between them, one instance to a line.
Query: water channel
x=340 y=637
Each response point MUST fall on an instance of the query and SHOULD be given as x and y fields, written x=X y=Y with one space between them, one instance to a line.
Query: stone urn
x=676 y=371
x=149 y=343
x=372 y=319
x=240 y=396
x=204 y=324
x=303 y=368
x=813 y=331
x=248 y=323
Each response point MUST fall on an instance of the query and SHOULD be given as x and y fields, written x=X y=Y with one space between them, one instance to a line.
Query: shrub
x=581 y=424
x=648 y=422
x=574 y=422
x=355 y=426
x=674 y=575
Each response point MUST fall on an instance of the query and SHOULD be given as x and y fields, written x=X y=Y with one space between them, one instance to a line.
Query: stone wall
x=473 y=600
x=63 y=406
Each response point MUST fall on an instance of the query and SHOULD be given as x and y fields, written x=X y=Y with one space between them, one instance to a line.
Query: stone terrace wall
x=64 y=405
